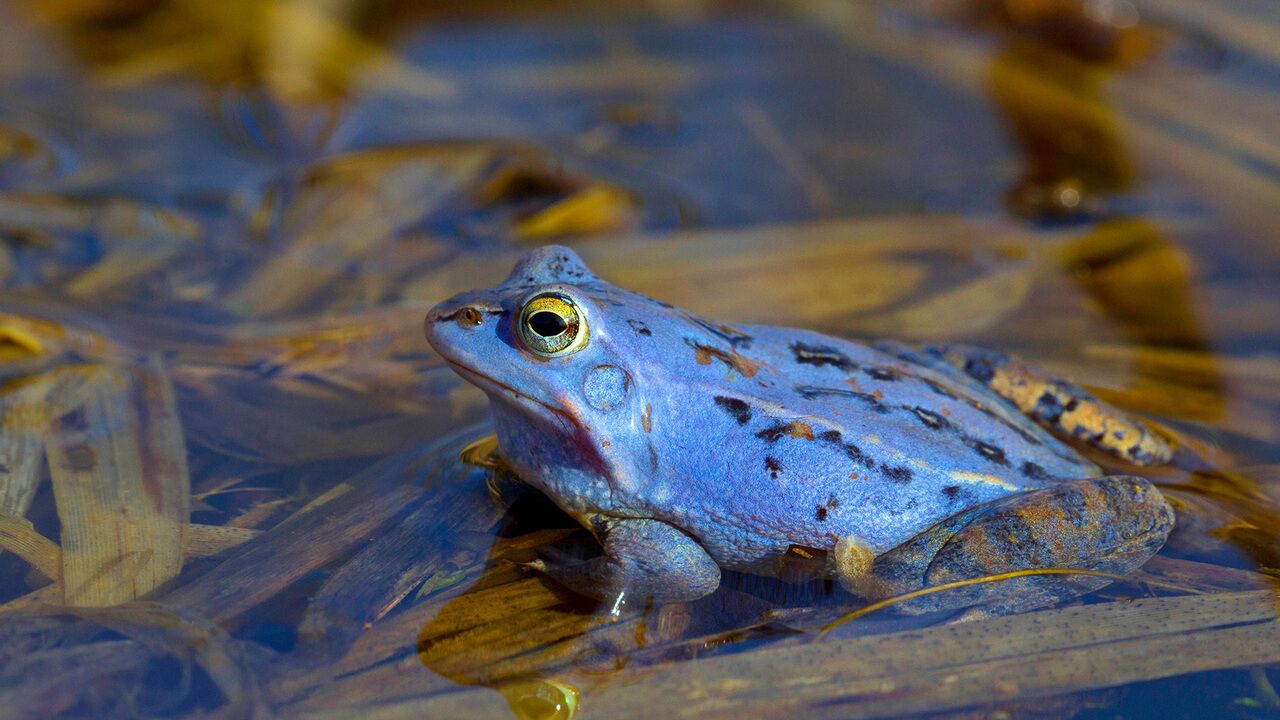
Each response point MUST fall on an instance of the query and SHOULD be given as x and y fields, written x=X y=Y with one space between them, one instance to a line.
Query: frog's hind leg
x=1111 y=524
x=1060 y=405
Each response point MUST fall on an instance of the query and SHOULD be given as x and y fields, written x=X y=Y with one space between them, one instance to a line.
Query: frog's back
x=800 y=438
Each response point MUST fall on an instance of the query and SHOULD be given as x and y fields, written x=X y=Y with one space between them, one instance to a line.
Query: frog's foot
x=1110 y=524
x=643 y=559
x=1060 y=405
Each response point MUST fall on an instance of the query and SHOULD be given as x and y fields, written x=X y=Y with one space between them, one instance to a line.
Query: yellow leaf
x=593 y=210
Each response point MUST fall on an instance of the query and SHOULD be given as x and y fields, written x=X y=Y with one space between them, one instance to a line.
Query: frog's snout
x=466 y=311
x=448 y=324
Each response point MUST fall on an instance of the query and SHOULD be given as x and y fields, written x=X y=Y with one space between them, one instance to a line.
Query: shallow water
x=235 y=481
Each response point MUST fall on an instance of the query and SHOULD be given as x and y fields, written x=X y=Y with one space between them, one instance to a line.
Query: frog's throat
x=571 y=431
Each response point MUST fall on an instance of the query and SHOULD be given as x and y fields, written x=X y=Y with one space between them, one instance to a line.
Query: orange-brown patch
x=646 y=418
x=800 y=430
x=1081 y=418
x=704 y=354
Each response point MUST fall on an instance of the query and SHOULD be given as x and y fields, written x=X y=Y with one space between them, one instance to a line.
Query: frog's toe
x=550 y=561
x=854 y=561
x=643 y=560
x=1105 y=525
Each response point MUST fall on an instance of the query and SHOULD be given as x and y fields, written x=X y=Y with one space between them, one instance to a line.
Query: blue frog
x=688 y=446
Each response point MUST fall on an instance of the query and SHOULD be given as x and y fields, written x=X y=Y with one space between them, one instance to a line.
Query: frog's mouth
x=491 y=384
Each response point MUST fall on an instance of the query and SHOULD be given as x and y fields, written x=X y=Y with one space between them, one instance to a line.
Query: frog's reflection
x=1049 y=81
x=544 y=648
x=540 y=645
x=1072 y=156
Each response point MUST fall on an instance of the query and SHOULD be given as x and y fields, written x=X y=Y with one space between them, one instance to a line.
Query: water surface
x=232 y=476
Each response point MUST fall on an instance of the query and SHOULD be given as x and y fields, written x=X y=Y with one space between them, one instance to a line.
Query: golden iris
x=550 y=325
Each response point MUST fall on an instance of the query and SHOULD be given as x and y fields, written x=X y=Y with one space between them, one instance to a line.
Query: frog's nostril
x=467 y=317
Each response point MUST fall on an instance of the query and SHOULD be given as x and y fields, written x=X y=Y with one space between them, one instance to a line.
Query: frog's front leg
x=1057 y=403
x=1112 y=524
x=643 y=559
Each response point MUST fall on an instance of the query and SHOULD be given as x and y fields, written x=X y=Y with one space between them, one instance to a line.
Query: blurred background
x=221 y=224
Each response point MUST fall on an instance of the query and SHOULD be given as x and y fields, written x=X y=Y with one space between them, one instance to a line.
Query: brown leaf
x=349 y=208
x=118 y=463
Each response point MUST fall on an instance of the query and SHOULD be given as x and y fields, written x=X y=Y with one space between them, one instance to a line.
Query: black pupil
x=547 y=324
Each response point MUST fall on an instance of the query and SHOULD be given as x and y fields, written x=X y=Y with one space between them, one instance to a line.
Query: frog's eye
x=550 y=325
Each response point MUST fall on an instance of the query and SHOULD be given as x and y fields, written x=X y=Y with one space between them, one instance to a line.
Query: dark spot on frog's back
x=1048 y=407
x=809 y=392
x=736 y=408
x=931 y=419
x=1034 y=471
x=820 y=356
x=796 y=429
x=982 y=366
x=640 y=328
x=821 y=512
x=772 y=466
x=772 y=434
x=951 y=491
x=898 y=474
x=991 y=452
x=853 y=452
x=882 y=374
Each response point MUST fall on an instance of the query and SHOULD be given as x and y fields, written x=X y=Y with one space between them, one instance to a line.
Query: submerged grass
x=230 y=482
x=942 y=587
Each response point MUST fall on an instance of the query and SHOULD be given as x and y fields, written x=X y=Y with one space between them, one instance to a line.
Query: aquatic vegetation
x=235 y=480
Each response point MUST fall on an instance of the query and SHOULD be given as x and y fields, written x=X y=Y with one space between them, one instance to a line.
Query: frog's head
x=551 y=348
